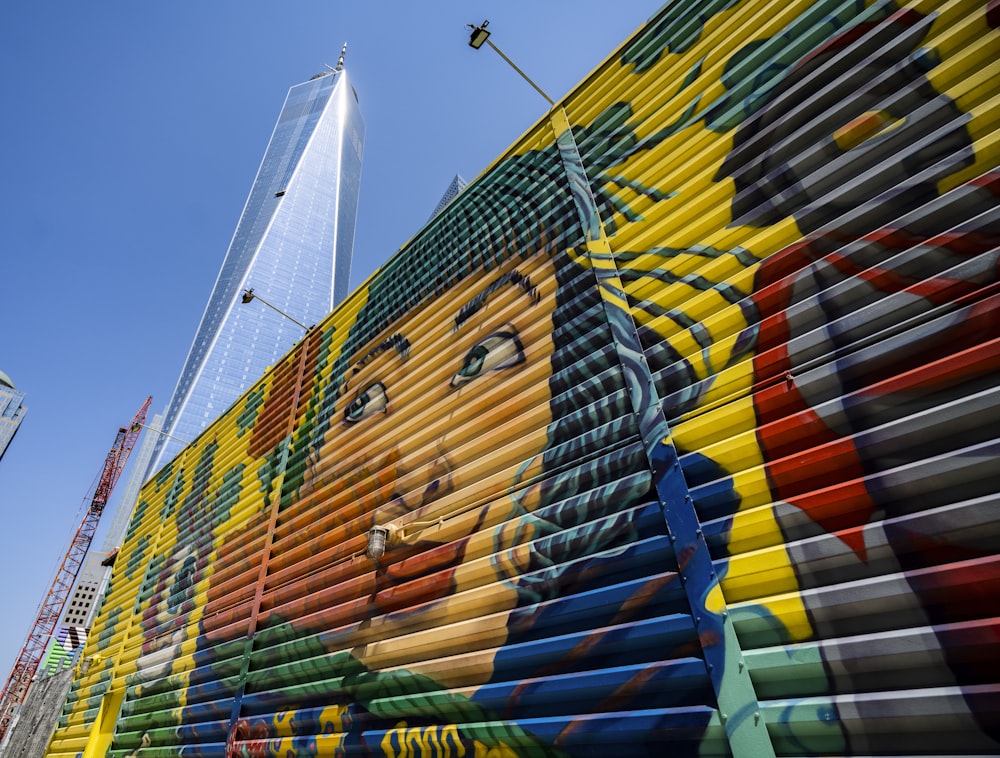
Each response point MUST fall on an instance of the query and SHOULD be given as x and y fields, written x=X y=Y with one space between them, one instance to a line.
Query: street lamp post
x=249 y=295
x=480 y=35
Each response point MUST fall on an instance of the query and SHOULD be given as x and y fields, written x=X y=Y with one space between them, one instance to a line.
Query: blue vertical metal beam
x=739 y=708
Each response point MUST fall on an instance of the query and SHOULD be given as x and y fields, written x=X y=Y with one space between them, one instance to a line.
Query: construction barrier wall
x=680 y=424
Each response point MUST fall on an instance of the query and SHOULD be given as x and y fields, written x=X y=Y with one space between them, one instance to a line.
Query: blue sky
x=131 y=134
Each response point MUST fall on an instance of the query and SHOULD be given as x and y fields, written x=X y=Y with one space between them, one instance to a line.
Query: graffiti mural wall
x=679 y=427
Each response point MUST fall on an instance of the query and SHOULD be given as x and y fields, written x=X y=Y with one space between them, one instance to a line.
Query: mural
x=674 y=434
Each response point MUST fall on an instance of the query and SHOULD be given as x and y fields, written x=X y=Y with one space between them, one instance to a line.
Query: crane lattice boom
x=16 y=688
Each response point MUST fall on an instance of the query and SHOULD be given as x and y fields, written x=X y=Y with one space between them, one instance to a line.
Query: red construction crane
x=16 y=688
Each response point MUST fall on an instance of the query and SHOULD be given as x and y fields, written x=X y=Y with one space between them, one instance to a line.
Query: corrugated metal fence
x=679 y=423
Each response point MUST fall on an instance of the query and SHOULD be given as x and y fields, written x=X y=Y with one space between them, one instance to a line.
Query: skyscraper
x=457 y=185
x=11 y=411
x=292 y=246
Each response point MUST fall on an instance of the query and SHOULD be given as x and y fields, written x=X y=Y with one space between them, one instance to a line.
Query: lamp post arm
x=523 y=75
x=154 y=430
x=279 y=311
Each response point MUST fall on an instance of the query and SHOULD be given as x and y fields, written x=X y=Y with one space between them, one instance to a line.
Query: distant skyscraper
x=11 y=411
x=456 y=186
x=292 y=245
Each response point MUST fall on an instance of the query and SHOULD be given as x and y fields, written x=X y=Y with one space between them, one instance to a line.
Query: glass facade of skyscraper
x=292 y=245
x=12 y=411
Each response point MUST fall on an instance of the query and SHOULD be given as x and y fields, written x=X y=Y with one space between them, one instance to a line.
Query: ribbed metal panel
x=816 y=299
x=681 y=422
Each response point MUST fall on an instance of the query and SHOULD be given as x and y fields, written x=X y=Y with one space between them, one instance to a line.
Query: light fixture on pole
x=480 y=36
x=249 y=295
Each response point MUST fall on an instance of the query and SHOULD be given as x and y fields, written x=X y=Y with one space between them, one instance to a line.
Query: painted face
x=163 y=620
x=466 y=357
x=194 y=505
x=445 y=433
x=828 y=141
x=162 y=648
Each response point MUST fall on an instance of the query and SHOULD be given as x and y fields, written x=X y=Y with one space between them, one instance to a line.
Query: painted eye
x=498 y=351
x=372 y=399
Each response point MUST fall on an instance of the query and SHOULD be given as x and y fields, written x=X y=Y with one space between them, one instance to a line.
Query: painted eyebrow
x=515 y=278
x=396 y=342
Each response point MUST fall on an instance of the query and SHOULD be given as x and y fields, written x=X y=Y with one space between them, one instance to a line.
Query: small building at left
x=12 y=411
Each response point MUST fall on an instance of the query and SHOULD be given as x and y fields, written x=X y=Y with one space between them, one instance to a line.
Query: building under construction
x=674 y=433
